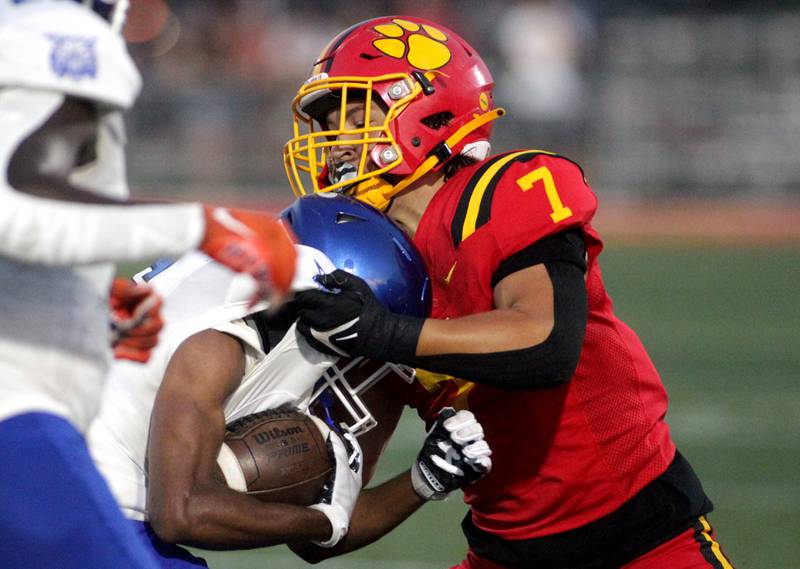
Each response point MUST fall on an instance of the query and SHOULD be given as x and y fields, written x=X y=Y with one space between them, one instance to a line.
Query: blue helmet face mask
x=361 y=240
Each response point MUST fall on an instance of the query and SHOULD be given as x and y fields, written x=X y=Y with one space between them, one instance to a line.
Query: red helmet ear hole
x=438 y=120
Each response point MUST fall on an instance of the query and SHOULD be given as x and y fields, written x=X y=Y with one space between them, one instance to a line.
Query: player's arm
x=453 y=455
x=71 y=231
x=186 y=501
x=47 y=217
x=531 y=339
x=68 y=230
x=372 y=519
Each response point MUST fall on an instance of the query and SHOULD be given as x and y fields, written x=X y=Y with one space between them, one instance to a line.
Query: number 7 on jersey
x=526 y=182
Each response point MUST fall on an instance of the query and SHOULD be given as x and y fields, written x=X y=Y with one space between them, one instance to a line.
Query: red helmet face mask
x=421 y=95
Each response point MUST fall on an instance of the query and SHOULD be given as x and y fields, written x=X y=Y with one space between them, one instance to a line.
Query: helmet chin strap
x=378 y=193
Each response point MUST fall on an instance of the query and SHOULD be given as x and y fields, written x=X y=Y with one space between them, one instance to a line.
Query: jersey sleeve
x=249 y=338
x=246 y=334
x=53 y=232
x=521 y=197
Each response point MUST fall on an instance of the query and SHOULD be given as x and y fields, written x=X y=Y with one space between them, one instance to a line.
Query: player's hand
x=332 y=320
x=341 y=491
x=253 y=243
x=346 y=319
x=453 y=455
x=135 y=319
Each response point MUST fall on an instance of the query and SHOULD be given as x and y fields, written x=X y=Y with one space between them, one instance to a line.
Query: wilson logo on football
x=424 y=47
x=276 y=434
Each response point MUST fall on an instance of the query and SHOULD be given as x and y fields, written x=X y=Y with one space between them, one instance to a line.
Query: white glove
x=341 y=491
x=453 y=455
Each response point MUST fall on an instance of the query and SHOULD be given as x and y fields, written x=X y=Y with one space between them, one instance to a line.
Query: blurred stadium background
x=686 y=118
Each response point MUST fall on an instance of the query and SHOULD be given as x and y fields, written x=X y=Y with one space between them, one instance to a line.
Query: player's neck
x=408 y=206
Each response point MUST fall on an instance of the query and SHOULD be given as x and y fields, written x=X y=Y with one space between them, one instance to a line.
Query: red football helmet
x=435 y=92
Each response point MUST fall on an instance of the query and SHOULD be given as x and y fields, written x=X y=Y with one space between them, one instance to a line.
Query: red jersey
x=561 y=457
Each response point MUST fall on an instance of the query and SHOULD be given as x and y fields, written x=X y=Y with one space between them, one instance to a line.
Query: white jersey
x=54 y=287
x=56 y=267
x=55 y=343
x=200 y=295
x=54 y=339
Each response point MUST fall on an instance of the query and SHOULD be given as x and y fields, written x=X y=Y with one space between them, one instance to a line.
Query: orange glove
x=254 y=243
x=135 y=319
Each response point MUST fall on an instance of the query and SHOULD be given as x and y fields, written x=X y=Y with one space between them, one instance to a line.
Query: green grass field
x=723 y=326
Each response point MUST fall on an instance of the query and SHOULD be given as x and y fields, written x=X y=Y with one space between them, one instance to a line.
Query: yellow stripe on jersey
x=430 y=380
x=715 y=549
x=475 y=203
x=477 y=194
x=432 y=383
x=460 y=401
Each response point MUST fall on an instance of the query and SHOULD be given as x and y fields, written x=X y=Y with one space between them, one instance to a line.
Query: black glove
x=453 y=455
x=347 y=319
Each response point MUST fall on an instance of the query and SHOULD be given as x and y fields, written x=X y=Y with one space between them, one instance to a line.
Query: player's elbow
x=173 y=522
x=540 y=367
x=553 y=362
x=309 y=553
x=552 y=370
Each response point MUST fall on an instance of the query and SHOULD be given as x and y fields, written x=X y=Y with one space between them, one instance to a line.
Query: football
x=277 y=456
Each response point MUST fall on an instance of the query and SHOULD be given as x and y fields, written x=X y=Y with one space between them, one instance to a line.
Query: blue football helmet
x=361 y=240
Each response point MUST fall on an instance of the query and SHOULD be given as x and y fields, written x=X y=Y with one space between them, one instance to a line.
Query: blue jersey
x=57 y=509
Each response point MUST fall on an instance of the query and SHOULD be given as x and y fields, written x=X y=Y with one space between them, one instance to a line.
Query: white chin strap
x=22 y=111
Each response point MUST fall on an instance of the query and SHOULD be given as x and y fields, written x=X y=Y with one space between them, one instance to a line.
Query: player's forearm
x=544 y=355
x=54 y=232
x=372 y=519
x=523 y=316
x=225 y=519
x=486 y=332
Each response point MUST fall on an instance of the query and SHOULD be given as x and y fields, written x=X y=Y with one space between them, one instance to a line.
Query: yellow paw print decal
x=424 y=47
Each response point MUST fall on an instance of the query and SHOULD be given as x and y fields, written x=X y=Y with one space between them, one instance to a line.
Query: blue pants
x=56 y=510
x=167 y=555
